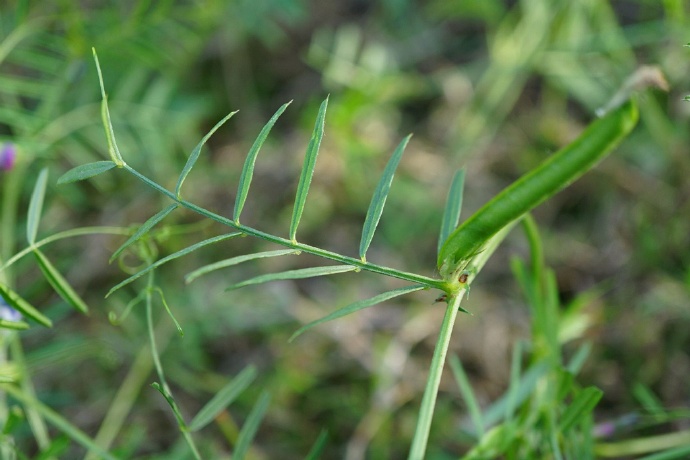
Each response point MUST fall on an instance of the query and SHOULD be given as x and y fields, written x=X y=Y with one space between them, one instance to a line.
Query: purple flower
x=8 y=313
x=8 y=155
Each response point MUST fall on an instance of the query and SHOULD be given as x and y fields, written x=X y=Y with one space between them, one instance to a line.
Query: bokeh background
x=494 y=86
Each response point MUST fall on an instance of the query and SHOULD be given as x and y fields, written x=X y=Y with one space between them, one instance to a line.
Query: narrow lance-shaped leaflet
x=356 y=306
x=308 y=170
x=298 y=274
x=196 y=152
x=143 y=229
x=536 y=186
x=59 y=283
x=378 y=200
x=33 y=216
x=451 y=213
x=248 y=168
x=113 y=150
x=86 y=171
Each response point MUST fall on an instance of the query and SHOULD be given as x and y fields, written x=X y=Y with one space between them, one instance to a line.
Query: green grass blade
x=223 y=398
x=145 y=227
x=36 y=206
x=467 y=395
x=15 y=301
x=308 y=169
x=173 y=256
x=582 y=406
x=85 y=171
x=197 y=151
x=528 y=191
x=451 y=214
x=59 y=283
x=294 y=275
x=251 y=426
x=317 y=448
x=234 y=261
x=248 y=168
x=378 y=200
x=113 y=150
x=356 y=306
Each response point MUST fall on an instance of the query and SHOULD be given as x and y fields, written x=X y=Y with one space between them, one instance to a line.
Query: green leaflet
x=13 y=325
x=234 y=261
x=536 y=186
x=251 y=426
x=378 y=200
x=59 y=283
x=248 y=168
x=33 y=216
x=451 y=213
x=113 y=151
x=145 y=227
x=15 y=301
x=196 y=152
x=223 y=398
x=85 y=171
x=294 y=275
x=180 y=253
x=308 y=169
x=356 y=306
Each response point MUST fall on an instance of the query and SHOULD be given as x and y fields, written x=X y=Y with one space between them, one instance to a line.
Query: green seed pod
x=528 y=191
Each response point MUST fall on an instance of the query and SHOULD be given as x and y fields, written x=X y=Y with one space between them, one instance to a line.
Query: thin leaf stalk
x=412 y=277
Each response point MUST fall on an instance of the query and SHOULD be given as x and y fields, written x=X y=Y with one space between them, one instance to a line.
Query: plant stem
x=426 y=412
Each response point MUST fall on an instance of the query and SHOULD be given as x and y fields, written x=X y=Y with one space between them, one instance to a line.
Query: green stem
x=426 y=412
x=159 y=368
x=426 y=281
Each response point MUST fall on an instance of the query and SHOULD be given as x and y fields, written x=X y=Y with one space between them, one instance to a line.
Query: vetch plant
x=462 y=250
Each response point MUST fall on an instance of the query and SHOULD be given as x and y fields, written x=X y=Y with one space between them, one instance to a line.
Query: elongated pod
x=528 y=191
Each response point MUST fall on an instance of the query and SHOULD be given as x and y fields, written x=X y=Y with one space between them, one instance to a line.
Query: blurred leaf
x=317 y=448
x=355 y=306
x=495 y=413
x=378 y=200
x=223 y=398
x=23 y=307
x=85 y=171
x=143 y=229
x=451 y=213
x=308 y=169
x=294 y=275
x=180 y=253
x=234 y=261
x=251 y=426
x=582 y=406
x=197 y=151
x=467 y=394
x=113 y=150
x=13 y=325
x=248 y=168
x=62 y=424
x=647 y=399
x=60 y=284
x=36 y=206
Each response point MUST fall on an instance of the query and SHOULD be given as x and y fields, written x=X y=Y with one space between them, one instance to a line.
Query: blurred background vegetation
x=491 y=85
